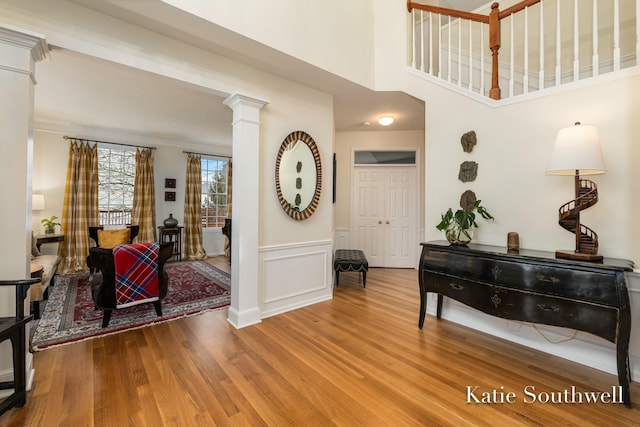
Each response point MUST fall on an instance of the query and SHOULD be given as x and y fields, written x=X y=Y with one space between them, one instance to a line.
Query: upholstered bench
x=40 y=290
x=350 y=260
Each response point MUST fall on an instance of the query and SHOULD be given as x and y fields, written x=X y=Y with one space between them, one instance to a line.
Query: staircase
x=533 y=46
x=569 y=216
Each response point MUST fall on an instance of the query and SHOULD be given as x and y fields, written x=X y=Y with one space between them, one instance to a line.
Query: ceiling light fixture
x=385 y=120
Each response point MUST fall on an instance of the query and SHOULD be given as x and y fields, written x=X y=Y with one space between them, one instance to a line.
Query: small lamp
x=577 y=152
x=37 y=202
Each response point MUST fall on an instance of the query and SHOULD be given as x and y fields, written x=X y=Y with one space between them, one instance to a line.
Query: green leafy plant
x=49 y=224
x=459 y=225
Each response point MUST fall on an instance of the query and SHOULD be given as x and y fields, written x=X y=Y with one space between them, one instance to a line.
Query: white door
x=385 y=215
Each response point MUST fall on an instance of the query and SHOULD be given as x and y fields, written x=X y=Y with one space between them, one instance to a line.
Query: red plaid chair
x=107 y=286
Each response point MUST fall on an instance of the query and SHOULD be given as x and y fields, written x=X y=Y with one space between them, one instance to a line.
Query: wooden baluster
x=482 y=58
x=525 y=79
x=558 y=46
x=430 y=44
x=511 y=59
x=616 y=35
x=449 y=51
x=595 y=60
x=413 y=40
x=422 y=41
x=494 y=45
x=439 y=46
x=541 y=72
x=459 y=52
x=470 y=55
x=576 y=43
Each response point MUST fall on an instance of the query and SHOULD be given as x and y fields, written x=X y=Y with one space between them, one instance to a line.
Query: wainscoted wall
x=294 y=276
x=584 y=348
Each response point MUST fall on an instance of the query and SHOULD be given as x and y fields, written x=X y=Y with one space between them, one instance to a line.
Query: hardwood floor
x=358 y=360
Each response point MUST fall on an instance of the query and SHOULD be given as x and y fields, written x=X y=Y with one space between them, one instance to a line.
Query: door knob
x=387 y=222
x=379 y=221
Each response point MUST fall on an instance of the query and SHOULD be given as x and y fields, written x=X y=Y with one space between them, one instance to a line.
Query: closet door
x=384 y=215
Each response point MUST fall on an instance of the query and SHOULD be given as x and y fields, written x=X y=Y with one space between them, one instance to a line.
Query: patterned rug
x=69 y=315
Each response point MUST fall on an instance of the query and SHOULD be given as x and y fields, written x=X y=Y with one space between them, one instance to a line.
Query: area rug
x=69 y=315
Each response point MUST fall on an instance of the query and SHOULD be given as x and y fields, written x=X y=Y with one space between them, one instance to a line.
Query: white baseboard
x=244 y=318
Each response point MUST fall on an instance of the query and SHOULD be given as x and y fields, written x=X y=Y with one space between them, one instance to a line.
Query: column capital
x=236 y=99
x=20 y=50
x=25 y=39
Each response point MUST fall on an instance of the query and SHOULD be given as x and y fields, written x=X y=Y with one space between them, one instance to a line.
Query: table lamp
x=577 y=152
x=37 y=202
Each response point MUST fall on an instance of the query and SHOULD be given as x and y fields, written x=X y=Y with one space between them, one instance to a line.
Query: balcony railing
x=531 y=46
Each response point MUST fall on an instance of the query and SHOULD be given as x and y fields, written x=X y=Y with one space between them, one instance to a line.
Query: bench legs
x=364 y=278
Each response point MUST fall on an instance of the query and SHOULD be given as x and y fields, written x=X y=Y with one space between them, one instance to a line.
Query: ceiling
x=78 y=94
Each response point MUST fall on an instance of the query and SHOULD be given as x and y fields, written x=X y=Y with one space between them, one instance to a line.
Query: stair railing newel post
x=494 y=45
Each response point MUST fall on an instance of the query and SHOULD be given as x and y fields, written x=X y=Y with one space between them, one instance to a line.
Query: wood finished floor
x=357 y=360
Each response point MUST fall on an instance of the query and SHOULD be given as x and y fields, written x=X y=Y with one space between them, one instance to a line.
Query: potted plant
x=50 y=224
x=458 y=226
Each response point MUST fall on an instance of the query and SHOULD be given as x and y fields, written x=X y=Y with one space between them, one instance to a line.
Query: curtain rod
x=107 y=142
x=207 y=154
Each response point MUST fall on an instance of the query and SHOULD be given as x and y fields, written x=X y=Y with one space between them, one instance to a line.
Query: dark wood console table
x=533 y=286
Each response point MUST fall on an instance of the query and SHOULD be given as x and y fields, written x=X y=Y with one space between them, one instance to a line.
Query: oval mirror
x=298 y=175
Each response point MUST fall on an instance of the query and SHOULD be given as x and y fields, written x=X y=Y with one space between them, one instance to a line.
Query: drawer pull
x=456 y=286
x=543 y=278
x=548 y=307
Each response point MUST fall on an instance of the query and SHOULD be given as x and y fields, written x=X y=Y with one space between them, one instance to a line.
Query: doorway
x=384 y=214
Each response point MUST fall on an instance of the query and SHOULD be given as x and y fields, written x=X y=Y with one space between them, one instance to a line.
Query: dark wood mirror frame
x=291 y=210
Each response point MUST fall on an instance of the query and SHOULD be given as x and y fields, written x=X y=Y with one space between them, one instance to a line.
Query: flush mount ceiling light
x=385 y=120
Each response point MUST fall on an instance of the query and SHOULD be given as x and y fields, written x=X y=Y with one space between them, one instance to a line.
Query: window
x=214 y=192
x=385 y=157
x=116 y=178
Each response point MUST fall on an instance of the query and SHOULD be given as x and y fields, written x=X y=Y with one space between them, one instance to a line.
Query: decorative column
x=19 y=51
x=245 y=280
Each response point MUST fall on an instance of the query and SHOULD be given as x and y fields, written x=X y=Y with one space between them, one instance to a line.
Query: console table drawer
x=585 y=285
x=509 y=303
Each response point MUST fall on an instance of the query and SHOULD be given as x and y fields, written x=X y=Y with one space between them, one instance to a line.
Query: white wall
x=334 y=35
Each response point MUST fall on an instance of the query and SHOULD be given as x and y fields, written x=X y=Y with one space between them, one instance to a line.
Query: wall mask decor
x=468 y=141
x=298 y=175
x=468 y=171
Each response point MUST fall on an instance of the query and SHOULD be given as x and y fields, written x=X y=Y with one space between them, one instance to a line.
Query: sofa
x=39 y=291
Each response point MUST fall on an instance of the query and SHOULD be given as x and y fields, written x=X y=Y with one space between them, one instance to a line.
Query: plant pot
x=49 y=230
x=458 y=236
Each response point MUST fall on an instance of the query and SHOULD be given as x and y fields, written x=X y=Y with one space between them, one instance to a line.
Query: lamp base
x=578 y=256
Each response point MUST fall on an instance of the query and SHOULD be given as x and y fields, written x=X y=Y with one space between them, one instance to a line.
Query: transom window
x=116 y=178
x=214 y=191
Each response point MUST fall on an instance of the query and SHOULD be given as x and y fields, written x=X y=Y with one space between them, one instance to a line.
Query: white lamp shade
x=577 y=148
x=37 y=202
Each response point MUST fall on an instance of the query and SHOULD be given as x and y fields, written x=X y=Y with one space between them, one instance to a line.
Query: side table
x=172 y=234
x=48 y=238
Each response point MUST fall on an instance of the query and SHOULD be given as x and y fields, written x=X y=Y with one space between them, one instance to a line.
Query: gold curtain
x=80 y=207
x=192 y=242
x=144 y=199
x=227 y=243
